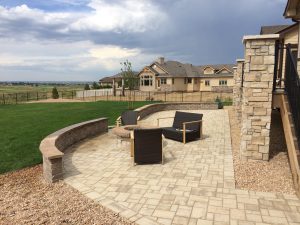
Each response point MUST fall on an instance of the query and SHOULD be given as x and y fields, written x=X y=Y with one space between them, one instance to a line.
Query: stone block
x=258 y=99
x=269 y=60
x=258 y=140
x=263 y=149
x=257 y=60
x=260 y=111
x=258 y=67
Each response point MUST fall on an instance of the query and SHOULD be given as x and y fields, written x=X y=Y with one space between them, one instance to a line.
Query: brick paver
x=195 y=185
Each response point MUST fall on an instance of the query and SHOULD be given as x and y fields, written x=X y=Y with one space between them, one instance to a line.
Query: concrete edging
x=153 y=108
x=53 y=146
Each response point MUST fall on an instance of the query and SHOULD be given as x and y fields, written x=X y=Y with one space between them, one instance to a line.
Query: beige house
x=175 y=76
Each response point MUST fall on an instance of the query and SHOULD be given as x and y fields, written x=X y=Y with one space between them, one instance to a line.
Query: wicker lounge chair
x=186 y=127
x=128 y=118
x=146 y=146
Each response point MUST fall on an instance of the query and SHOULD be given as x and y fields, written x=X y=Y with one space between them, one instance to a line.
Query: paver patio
x=194 y=186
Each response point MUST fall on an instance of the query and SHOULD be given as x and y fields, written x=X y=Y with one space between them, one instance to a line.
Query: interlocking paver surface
x=194 y=186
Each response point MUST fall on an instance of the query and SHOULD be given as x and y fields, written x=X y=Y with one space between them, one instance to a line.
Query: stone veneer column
x=237 y=89
x=257 y=96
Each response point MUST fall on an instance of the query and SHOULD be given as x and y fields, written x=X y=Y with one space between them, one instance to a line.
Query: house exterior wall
x=290 y=37
x=154 y=83
x=214 y=82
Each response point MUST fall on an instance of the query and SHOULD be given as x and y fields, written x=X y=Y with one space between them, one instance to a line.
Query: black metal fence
x=127 y=95
x=292 y=88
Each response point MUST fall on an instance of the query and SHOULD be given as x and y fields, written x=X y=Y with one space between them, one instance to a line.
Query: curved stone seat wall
x=54 y=145
x=153 y=108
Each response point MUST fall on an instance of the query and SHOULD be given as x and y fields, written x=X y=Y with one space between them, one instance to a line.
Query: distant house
x=175 y=76
x=113 y=80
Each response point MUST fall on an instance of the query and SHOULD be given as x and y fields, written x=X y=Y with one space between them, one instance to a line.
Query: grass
x=22 y=127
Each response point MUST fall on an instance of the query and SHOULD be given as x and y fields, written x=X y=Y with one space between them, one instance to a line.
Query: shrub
x=87 y=87
x=55 y=94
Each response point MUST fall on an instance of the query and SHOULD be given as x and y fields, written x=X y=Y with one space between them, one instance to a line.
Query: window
x=163 y=80
x=207 y=83
x=173 y=80
x=158 y=83
x=223 y=82
x=189 y=80
x=146 y=80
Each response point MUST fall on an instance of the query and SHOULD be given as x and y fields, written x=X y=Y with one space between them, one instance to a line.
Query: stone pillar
x=257 y=96
x=237 y=89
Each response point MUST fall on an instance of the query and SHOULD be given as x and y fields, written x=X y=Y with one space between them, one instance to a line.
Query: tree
x=95 y=86
x=87 y=87
x=55 y=94
x=128 y=75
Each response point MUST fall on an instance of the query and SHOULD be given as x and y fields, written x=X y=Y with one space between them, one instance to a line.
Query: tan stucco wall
x=214 y=82
x=292 y=38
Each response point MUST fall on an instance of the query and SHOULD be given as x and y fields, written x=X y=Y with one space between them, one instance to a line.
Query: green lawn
x=22 y=127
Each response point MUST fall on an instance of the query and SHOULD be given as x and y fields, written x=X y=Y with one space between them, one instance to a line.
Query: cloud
x=91 y=37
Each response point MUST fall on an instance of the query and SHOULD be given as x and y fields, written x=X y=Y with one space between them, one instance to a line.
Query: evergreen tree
x=55 y=94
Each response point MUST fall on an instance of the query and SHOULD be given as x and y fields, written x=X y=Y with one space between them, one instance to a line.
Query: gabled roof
x=117 y=77
x=291 y=9
x=178 y=69
x=277 y=29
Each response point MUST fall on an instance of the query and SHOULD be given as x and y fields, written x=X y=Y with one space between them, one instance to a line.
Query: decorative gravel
x=26 y=199
x=272 y=176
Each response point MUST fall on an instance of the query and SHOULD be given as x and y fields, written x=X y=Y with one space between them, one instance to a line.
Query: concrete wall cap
x=260 y=37
x=240 y=60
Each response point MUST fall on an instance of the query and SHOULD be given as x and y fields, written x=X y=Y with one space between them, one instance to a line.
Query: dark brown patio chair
x=128 y=118
x=186 y=127
x=146 y=145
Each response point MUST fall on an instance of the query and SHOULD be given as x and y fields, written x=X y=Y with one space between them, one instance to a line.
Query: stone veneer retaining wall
x=257 y=96
x=53 y=146
x=153 y=108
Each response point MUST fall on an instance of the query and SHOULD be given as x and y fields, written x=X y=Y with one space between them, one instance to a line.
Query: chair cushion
x=181 y=117
x=129 y=118
x=175 y=134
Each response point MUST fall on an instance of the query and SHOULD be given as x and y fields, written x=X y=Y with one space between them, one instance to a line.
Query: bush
x=95 y=86
x=55 y=94
x=87 y=87
x=219 y=102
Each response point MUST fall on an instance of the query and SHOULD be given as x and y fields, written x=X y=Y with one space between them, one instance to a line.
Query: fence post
x=27 y=98
x=134 y=96
x=165 y=96
x=4 y=99
x=62 y=95
x=200 y=96
x=37 y=96
x=83 y=95
x=16 y=98
x=46 y=95
x=182 y=96
x=72 y=94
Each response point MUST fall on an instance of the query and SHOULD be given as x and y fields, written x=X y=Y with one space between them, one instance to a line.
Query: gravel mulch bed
x=26 y=199
x=272 y=176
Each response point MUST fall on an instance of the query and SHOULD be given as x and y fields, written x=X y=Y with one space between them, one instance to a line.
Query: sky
x=85 y=40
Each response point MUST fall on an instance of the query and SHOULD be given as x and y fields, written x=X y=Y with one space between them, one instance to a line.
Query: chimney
x=161 y=60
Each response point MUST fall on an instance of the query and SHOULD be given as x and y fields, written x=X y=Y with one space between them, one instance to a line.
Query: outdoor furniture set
x=146 y=141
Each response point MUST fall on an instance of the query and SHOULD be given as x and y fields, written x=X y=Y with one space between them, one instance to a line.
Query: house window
x=146 y=81
x=207 y=83
x=163 y=80
x=173 y=81
x=189 y=80
x=158 y=83
x=223 y=82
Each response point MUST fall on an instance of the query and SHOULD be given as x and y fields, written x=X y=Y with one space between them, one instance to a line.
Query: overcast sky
x=84 y=40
